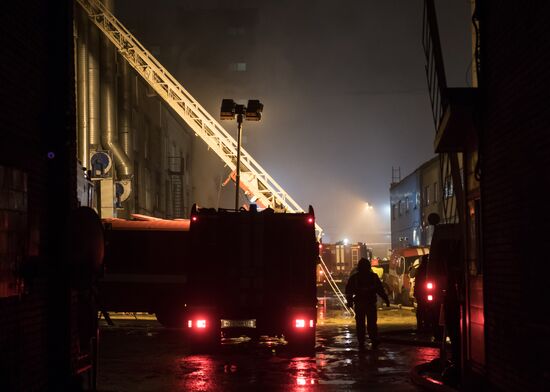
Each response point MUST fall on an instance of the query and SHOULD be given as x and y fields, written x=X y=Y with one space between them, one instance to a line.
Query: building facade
x=495 y=124
x=38 y=169
x=405 y=204
x=428 y=190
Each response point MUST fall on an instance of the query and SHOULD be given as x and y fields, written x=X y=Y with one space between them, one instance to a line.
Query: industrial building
x=139 y=155
x=427 y=190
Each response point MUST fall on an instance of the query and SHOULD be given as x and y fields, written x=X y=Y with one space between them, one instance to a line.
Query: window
x=448 y=189
x=238 y=67
x=14 y=229
x=407 y=204
x=393 y=211
x=417 y=201
x=426 y=196
x=354 y=256
x=400 y=207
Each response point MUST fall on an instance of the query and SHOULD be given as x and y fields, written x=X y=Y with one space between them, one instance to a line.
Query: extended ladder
x=255 y=180
x=339 y=295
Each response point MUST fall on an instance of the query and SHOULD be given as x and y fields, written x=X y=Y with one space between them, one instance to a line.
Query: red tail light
x=301 y=323
x=310 y=220
x=194 y=218
x=198 y=324
x=430 y=297
x=429 y=285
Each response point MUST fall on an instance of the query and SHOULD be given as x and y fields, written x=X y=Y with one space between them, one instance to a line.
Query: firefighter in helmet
x=361 y=290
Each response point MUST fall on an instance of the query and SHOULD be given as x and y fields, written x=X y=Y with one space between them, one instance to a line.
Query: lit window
x=426 y=196
x=238 y=67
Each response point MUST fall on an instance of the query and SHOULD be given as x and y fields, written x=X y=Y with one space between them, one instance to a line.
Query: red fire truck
x=252 y=270
x=223 y=270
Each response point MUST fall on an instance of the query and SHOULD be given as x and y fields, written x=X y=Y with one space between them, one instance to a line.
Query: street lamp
x=252 y=112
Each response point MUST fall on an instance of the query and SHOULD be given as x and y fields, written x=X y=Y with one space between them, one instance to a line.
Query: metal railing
x=435 y=70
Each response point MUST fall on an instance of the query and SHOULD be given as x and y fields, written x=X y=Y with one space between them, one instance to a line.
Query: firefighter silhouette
x=361 y=289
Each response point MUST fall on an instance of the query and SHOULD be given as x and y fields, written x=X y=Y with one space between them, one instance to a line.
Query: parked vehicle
x=145 y=263
x=399 y=281
x=221 y=271
x=254 y=271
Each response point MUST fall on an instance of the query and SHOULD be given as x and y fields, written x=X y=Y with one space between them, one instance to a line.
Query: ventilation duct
x=109 y=133
x=82 y=88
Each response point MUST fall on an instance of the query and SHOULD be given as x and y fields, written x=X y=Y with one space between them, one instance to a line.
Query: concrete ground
x=140 y=355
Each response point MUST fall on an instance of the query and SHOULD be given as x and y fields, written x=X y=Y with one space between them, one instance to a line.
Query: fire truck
x=145 y=266
x=219 y=272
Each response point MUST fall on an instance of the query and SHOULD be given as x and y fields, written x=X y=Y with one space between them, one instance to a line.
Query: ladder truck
x=255 y=180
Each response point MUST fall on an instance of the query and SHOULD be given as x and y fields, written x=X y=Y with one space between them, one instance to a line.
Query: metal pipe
x=82 y=88
x=93 y=88
x=124 y=119
x=109 y=132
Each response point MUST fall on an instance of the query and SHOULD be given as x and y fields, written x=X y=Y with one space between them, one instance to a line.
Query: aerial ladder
x=256 y=182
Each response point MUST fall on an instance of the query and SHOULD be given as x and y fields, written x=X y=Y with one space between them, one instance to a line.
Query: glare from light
x=430 y=285
x=300 y=323
x=369 y=207
x=201 y=323
x=346 y=241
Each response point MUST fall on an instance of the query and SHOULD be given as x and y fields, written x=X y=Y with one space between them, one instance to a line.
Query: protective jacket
x=362 y=288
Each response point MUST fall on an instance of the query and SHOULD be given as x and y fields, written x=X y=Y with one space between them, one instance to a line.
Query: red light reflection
x=198 y=373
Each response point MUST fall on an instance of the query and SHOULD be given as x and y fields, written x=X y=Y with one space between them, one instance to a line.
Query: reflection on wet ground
x=145 y=357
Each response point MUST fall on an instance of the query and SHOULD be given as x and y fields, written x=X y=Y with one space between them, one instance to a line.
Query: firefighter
x=361 y=289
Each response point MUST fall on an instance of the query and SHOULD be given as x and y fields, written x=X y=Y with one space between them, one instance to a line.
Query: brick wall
x=37 y=117
x=515 y=161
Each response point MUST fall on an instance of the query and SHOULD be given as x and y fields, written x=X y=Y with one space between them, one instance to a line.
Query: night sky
x=345 y=98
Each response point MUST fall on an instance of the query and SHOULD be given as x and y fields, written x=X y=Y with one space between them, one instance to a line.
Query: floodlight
x=227 y=111
x=254 y=110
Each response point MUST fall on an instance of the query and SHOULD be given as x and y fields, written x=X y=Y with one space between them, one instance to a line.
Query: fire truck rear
x=252 y=271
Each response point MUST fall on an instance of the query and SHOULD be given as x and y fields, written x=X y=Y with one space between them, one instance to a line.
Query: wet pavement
x=140 y=355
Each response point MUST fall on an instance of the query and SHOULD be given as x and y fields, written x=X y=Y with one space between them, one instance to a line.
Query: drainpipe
x=82 y=88
x=109 y=133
